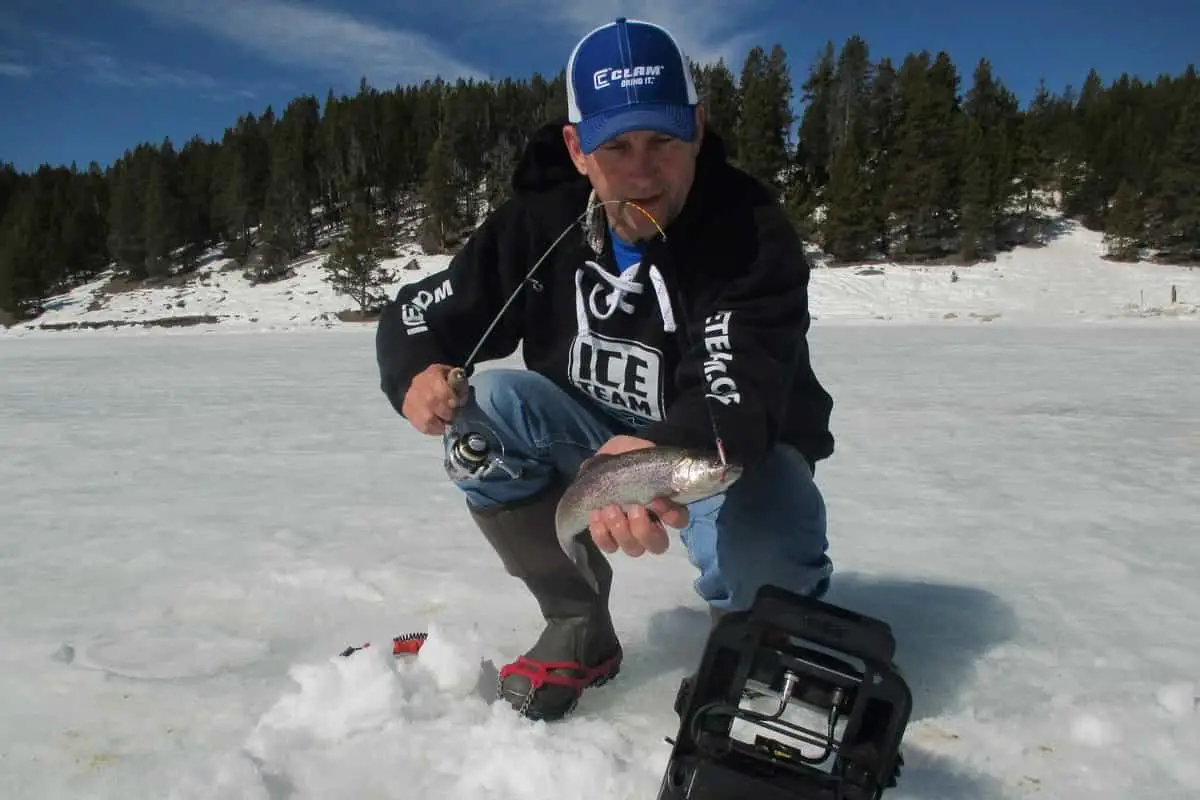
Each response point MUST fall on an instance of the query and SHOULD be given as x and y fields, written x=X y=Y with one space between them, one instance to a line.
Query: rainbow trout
x=636 y=478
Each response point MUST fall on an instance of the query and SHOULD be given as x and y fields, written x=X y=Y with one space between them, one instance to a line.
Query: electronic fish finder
x=795 y=699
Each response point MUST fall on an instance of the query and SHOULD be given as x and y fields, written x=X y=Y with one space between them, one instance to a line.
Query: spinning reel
x=470 y=453
x=837 y=707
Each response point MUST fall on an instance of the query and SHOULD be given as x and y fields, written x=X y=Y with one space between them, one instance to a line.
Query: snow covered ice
x=196 y=521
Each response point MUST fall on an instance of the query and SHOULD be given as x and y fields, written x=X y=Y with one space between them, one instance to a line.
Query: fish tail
x=578 y=555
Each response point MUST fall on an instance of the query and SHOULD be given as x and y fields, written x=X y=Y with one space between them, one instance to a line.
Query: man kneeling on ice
x=672 y=318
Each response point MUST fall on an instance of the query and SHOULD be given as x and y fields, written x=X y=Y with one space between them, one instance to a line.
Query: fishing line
x=461 y=371
x=458 y=375
x=469 y=455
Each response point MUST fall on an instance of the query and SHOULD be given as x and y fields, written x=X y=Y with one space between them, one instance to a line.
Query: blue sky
x=83 y=80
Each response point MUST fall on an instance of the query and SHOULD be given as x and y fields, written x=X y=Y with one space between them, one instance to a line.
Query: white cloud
x=305 y=36
x=13 y=62
x=103 y=68
x=11 y=69
x=707 y=30
x=93 y=61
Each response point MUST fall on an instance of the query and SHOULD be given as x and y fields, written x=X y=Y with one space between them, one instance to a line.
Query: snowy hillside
x=1064 y=281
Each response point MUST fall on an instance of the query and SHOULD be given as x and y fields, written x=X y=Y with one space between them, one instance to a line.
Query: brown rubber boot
x=578 y=648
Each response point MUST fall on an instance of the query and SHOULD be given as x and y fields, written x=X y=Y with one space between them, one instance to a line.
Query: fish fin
x=594 y=461
x=579 y=557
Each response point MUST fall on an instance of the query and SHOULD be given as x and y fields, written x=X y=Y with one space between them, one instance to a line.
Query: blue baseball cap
x=629 y=75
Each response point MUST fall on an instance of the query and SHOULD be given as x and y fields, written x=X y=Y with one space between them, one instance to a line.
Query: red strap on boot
x=540 y=673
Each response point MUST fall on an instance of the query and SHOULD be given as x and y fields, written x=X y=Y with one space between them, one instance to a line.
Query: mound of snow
x=374 y=726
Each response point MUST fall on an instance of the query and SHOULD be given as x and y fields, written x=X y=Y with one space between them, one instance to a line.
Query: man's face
x=653 y=170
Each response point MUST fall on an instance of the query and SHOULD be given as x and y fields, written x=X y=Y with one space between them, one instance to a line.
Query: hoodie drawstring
x=619 y=286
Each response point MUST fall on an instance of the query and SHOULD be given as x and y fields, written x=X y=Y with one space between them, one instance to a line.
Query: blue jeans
x=768 y=528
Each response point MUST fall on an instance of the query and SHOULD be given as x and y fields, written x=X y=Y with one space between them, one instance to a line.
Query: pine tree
x=440 y=192
x=722 y=102
x=397 y=150
x=22 y=283
x=989 y=167
x=330 y=160
x=161 y=216
x=9 y=177
x=848 y=229
x=287 y=220
x=199 y=230
x=801 y=200
x=1083 y=192
x=850 y=101
x=467 y=125
x=815 y=149
x=945 y=147
x=977 y=231
x=1034 y=166
x=501 y=161
x=924 y=192
x=126 y=215
x=82 y=225
x=766 y=116
x=353 y=267
x=880 y=149
x=1175 y=206
x=1125 y=227
x=240 y=185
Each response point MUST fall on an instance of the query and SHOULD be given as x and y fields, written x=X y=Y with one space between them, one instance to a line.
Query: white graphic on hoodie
x=623 y=376
x=721 y=387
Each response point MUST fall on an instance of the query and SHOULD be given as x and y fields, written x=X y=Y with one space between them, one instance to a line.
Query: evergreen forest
x=921 y=161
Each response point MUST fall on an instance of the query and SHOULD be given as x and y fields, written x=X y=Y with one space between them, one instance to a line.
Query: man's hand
x=430 y=402
x=637 y=532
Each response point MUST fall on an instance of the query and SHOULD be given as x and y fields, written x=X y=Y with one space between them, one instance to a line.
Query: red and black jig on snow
x=406 y=644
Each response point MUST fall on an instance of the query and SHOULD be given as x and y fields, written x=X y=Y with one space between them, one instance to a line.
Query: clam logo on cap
x=637 y=76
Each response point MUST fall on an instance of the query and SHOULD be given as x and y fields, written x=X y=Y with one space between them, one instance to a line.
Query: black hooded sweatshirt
x=707 y=333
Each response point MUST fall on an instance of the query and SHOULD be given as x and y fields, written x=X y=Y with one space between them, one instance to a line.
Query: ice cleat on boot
x=578 y=647
x=543 y=684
